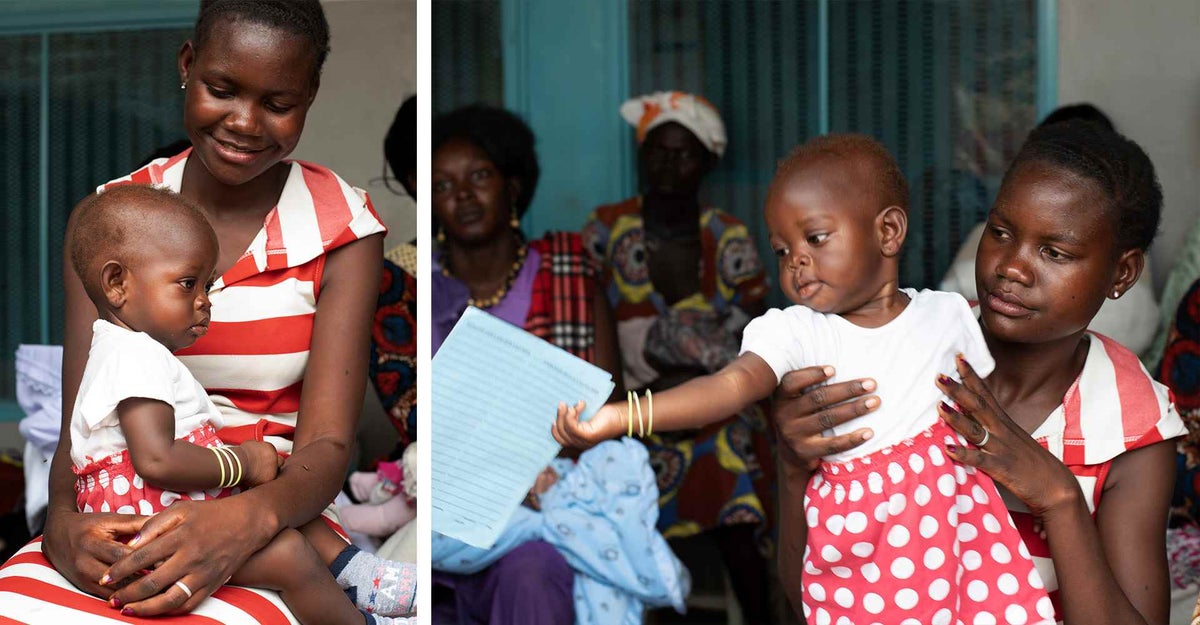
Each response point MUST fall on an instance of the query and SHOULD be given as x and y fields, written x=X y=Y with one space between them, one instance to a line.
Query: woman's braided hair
x=300 y=17
x=1120 y=168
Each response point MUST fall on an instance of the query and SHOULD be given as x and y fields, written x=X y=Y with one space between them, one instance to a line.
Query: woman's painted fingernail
x=127 y=611
x=104 y=581
x=944 y=379
x=946 y=408
x=114 y=602
x=135 y=540
x=953 y=449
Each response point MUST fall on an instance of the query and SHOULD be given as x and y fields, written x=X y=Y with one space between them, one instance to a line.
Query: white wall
x=371 y=70
x=1140 y=63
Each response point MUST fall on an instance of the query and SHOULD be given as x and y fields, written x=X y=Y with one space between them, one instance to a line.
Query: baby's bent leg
x=327 y=543
x=289 y=565
x=381 y=587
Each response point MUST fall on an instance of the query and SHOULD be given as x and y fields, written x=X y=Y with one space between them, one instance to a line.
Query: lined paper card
x=496 y=390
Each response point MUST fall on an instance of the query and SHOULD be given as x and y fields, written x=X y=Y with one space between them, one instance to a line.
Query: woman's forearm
x=1091 y=594
x=307 y=483
x=793 y=526
x=62 y=483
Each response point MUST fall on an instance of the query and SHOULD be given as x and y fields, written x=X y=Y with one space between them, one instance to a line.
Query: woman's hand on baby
x=83 y=546
x=803 y=411
x=569 y=431
x=1008 y=453
x=263 y=463
x=200 y=543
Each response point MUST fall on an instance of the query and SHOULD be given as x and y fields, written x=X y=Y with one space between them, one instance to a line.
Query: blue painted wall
x=566 y=73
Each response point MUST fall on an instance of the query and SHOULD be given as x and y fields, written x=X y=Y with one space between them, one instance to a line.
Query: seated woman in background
x=1131 y=319
x=485 y=171
x=684 y=279
x=1180 y=370
x=387 y=495
x=394 y=333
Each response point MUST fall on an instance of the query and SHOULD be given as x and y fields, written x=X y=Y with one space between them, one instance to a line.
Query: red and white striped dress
x=1113 y=407
x=253 y=358
x=252 y=363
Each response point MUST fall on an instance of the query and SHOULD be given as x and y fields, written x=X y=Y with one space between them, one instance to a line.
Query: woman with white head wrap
x=683 y=279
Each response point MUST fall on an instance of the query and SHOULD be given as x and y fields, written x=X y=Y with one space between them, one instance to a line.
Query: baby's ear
x=114 y=278
x=892 y=226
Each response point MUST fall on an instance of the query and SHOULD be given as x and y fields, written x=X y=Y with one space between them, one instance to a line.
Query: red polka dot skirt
x=111 y=484
x=907 y=535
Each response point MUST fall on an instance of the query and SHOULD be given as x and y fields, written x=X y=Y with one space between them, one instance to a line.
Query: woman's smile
x=236 y=153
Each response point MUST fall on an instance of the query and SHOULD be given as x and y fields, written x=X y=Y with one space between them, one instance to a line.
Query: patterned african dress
x=393 y=365
x=721 y=474
x=1180 y=371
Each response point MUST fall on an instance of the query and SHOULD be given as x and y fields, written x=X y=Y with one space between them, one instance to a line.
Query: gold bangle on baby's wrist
x=629 y=412
x=650 y=409
x=634 y=404
x=238 y=479
x=228 y=458
x=235 y=466
x=221 y=464
x=641 y=424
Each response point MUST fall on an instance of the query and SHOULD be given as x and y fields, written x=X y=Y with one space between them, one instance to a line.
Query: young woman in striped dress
x=285 y=356
x=1074 y=428
x=143 y=430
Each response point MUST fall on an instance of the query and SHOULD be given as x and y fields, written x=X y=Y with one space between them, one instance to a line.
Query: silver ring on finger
x=986 y=435
x=182 y=586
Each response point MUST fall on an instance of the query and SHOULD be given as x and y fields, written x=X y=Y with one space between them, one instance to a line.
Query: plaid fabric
x=560 y=308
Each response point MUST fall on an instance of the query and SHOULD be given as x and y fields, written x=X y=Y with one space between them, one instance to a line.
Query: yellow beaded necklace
x=494 y=298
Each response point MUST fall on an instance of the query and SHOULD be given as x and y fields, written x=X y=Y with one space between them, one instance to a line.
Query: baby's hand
x=545 y=480
x=262 y=463
x=569 y=431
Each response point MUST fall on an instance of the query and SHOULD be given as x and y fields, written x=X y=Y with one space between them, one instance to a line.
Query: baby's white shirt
x=903 y=357
x=123 y=364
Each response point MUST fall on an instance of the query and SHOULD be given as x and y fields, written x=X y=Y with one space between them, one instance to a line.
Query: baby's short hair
x=110 y=225
x=889 y=181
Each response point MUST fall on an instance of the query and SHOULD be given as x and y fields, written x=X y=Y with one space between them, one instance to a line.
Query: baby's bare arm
x=709 y=398
x=149 y=427
x=693 y=404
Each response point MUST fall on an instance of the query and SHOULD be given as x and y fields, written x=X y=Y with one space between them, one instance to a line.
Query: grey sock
x=377 y=586
x=375 y=619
